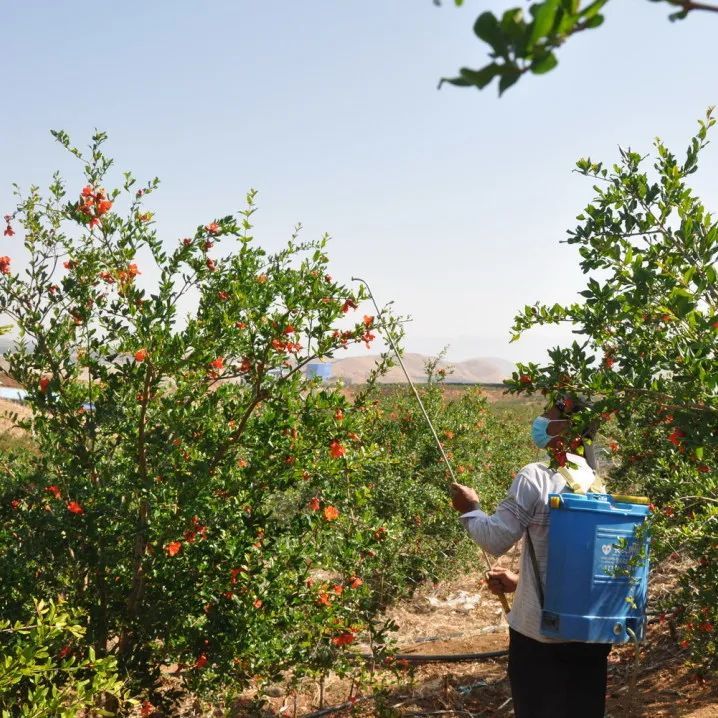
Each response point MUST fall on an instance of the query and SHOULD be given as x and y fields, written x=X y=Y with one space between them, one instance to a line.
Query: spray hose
x=387 y=334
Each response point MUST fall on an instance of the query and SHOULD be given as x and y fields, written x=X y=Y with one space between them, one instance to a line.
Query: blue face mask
x=539 y=431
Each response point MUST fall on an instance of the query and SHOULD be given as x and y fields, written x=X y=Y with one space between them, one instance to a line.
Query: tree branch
x=689 y=6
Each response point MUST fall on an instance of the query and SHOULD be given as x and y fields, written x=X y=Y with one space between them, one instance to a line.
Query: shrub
x=47 y=671
x=648 y=358
x=204 y=504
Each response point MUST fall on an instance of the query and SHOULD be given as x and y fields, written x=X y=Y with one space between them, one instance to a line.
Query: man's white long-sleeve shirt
x=525 y=508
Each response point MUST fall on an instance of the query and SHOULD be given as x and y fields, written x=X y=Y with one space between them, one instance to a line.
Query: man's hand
x=463 y=498
x=501 y=580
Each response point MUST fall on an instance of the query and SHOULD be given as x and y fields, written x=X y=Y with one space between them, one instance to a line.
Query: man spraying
x=549 y=678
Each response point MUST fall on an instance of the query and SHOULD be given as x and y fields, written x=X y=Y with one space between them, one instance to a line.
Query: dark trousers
x=557 y=680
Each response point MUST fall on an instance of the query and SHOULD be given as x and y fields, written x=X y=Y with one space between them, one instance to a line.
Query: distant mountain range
x=355 y=370
x=482 y=370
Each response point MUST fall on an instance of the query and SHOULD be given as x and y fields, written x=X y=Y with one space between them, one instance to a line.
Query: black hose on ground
x=442 y=658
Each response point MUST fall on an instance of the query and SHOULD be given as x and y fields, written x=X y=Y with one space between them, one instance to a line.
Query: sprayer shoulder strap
x=534 y=565
x=596 y=487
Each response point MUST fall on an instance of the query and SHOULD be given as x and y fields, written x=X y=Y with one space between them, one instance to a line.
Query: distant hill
x=355 y=370
x=482 y=370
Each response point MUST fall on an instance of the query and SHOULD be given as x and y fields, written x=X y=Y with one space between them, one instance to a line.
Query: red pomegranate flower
x=5 y=265
x=9 y=231
x=212 y=228
x=217 y=363
x=314 y=503
x=675 y=436
x=343 y=639
x=173 y=548
x=331 y=513
x=141 y=355
x=44 y=383
x=75 y=508
x=336 y=450
x=54 y=490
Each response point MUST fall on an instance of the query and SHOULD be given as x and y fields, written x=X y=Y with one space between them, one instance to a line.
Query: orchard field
x=180 y=500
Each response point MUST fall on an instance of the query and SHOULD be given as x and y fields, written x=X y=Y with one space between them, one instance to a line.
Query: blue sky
x=452 y=203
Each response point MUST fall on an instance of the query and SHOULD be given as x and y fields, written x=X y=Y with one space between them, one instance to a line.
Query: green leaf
x=543 y=21
x=481 y=78
x=513 y=24
x=458 y=81
x=592 y=9
x=487 y=29
x=570 y=5
x=508 y=78
x=545 y=64
x=568 y=17
x=595 y=21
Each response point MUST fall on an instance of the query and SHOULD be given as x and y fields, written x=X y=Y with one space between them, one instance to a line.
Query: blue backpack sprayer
x=597 y=571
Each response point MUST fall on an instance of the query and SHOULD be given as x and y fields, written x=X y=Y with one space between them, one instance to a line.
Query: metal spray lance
x=387 y=333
